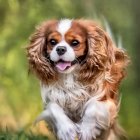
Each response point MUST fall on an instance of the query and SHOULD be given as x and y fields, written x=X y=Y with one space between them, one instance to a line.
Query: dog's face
x=67 y=46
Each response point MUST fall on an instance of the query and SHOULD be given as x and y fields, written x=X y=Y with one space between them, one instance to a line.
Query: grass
x=20 y=136
x=28 y=136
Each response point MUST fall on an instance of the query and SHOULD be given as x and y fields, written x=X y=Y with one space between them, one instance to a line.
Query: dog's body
x=80 y=70
x=72 y=106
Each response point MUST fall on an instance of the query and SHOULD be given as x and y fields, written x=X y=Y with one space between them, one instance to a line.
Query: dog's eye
x=53 y=42
x=74 y=43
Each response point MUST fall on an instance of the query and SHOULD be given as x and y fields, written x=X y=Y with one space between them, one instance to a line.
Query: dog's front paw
x=89 y=131
x=67 y=132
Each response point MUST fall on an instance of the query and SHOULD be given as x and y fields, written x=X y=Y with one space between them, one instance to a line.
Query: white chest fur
x=67 y=92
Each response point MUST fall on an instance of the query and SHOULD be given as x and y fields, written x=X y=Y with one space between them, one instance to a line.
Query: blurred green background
x=20 y=100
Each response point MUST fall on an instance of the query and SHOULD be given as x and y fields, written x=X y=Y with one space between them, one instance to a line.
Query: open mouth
x=64 y=65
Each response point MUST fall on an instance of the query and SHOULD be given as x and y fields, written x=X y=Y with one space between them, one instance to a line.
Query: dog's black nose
x=61 y=50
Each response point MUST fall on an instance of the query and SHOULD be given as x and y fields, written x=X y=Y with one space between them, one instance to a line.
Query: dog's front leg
x=97 y=116
x=64 y=128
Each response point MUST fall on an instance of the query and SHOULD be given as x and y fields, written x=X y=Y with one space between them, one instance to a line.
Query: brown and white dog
x=80 y=70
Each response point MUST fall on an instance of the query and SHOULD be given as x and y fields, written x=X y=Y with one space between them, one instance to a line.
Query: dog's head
x=68 y=46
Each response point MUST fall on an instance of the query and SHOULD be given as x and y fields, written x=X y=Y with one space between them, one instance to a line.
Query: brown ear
x=38 y=62
x=102 y=56
x=100 y=51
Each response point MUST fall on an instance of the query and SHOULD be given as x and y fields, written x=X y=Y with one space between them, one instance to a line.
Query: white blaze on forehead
x=69 y=56
x=63 y=26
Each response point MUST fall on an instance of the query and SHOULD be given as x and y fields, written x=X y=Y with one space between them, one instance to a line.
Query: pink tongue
x=63 y=65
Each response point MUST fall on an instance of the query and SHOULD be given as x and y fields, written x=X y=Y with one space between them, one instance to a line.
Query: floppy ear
x=98 y=53
x=102 y=53
x=37 y=55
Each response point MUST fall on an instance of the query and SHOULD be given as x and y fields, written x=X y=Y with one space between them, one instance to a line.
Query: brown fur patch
x=54 y=35
x=76 y=32
x=38 y=63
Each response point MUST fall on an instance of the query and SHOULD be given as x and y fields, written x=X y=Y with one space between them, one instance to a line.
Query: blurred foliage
x=20 y=136
x=20 y=100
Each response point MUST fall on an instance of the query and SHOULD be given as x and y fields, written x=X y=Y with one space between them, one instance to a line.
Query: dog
x=80 y=69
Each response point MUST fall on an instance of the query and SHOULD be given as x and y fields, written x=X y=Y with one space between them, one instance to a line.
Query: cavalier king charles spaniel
x=80 y=69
